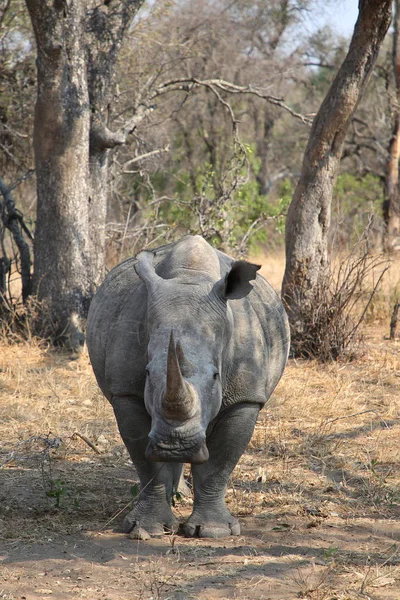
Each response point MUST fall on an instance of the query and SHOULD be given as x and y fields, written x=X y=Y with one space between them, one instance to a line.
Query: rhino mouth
x=165 y=452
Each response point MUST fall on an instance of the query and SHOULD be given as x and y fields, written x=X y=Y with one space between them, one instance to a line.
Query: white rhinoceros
x=187 y=351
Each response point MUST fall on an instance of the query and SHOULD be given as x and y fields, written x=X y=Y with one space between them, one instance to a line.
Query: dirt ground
x=317 y=493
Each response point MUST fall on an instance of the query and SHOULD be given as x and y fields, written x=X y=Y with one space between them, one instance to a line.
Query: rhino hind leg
x=152 y=515
x=226 y=443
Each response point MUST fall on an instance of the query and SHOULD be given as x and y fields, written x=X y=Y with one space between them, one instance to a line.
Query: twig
x=188 y=83
x=261 y=219
x=121 y=510
x=87 y=441
x=146 y=155
x=363 y=412
x=356 y=326
x=128 y=218
x=50 y=444
x=21 y=179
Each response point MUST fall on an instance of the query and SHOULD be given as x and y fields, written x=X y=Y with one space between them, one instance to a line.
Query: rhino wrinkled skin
x=187 y=351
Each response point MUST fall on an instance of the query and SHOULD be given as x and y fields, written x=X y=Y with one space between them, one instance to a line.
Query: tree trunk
x=61 y=144
x=308 y=217
x=391 y=204
x=77 y=47
x=264 y=130
x=13 y=220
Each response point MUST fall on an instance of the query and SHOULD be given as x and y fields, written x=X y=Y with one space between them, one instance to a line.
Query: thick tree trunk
x=78 y=42
x=308 y=217
x=391 y=204
x=61 y=143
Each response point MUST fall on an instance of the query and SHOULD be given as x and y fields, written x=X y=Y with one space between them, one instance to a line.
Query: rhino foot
x=202 y=526
x=145 y=525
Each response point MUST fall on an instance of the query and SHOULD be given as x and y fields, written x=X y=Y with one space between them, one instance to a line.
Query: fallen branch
x=87 y=441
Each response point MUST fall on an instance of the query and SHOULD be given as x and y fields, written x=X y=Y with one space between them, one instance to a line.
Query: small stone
x=138 y=533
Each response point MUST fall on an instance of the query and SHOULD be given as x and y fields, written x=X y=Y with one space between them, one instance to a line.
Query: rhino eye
x=216 y=375
x=147 y=372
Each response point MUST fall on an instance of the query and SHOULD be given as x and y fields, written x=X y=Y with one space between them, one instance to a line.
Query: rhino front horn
x=178 y=401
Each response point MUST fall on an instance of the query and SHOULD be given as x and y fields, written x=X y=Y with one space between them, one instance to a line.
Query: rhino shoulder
x=261 y=340
x=116 y=331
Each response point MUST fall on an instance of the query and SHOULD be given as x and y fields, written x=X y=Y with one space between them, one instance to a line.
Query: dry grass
x=272 y=268
x=380 y=310
x=317 y=492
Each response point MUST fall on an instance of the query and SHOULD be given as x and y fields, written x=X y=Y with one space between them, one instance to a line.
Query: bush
x=327 y=325
x=21 y=322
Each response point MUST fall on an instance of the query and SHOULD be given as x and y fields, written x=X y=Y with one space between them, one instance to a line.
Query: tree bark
x=61 y=144
x=391 y=204
x=263 y=149
x=13 y=220
x=309 y=214
x=77 y=46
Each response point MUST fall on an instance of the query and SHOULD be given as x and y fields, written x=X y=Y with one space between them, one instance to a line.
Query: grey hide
x=187 y=351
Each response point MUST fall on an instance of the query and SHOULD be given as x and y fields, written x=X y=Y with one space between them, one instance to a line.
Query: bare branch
x=102 y=138
x=254 y=226
x=188 y=83
x=141 y=113
x=144 y=156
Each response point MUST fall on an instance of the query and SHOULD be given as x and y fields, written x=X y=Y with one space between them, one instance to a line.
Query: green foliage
x=241 y=215
x=247 y=219
x=58 y=490
x=331 y=553
x=354 y=194
x=135 y=489
x=320 y=81
x=176 y=497
x=286 y=191
x=355 y=200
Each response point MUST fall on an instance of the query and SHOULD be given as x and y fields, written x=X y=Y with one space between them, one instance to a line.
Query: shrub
x=337 y=306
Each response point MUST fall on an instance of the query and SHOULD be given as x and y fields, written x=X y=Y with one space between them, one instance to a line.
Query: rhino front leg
x=226 y=443
x=152 y=514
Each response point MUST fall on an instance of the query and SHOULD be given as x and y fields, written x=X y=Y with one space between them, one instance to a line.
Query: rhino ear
x=235 y=284
x=145 y=268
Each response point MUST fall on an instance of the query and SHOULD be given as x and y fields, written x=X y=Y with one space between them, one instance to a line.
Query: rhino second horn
x=178 y=399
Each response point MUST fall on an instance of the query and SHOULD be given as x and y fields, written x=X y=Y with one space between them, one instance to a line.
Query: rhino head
x=189 y=327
